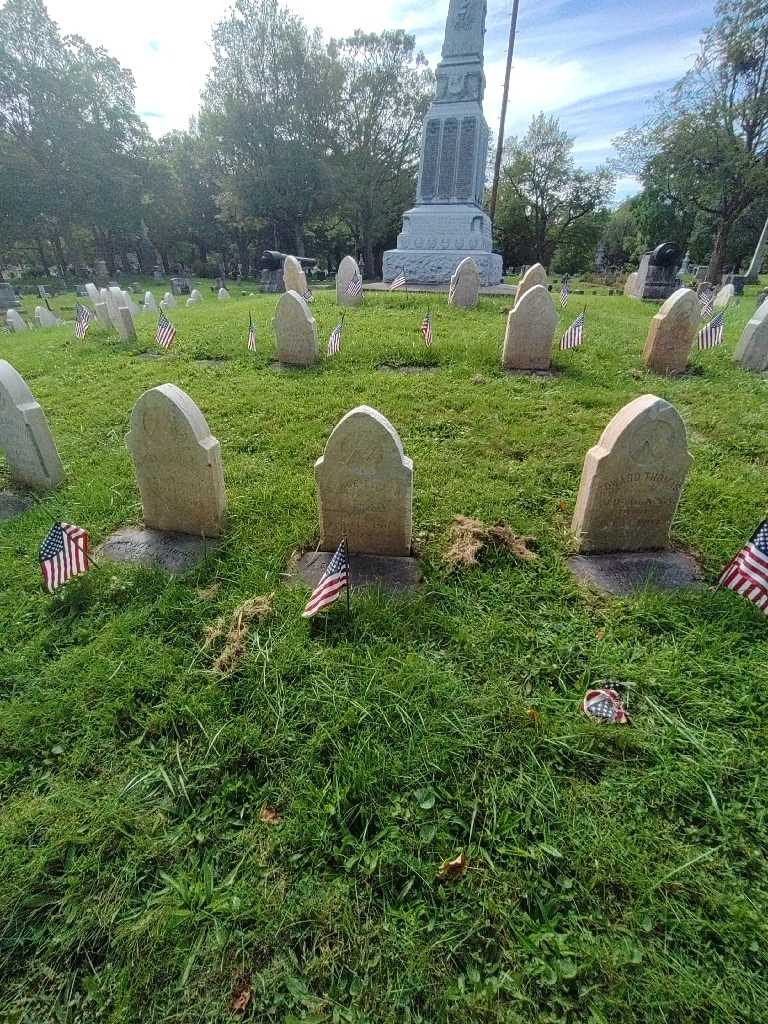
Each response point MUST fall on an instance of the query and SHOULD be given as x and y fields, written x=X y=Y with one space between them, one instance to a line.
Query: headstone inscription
x=752 y=350
x=671 y=333
x=464 y=289
x=632 y=480
x=348 y=271
x=296 y=331
x=365 y=486
x=530 y=331
x=25 y=439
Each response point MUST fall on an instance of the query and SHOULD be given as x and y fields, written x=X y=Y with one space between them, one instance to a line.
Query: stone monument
x=25 y=439
x=752 y=350
x=448 y=222
x=657 y=275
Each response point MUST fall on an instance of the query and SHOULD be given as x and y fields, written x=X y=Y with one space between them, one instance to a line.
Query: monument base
x=388 y=572
x=175 y=553
x=13 y=505
x=622 y=573
x=436 y=237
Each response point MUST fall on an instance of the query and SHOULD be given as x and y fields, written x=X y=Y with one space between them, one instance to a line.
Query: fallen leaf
x=470 y=536
x=534 y=716
x=600 y=634
x=241 y=996
x=269 y=815
x=562 y=506
x=453 y=869
x=479 y=379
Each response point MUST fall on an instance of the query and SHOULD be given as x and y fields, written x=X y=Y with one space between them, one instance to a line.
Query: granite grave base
x=408 y=368
x=623 y=573
x=13 y=505
x=392 y=574
x=176 y=553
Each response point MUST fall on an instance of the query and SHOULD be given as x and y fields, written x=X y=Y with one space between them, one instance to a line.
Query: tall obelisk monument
x=448 y=222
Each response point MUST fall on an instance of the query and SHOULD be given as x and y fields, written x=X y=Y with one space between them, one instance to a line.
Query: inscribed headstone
x=365 y=486
x=672 y=331
x=293 y=276
x=535 y=275
x=632 y=479
x=92 y=292
x=530 y=330
x=296 y=331
x=150 y=305
x=348 y=271
x=24 y=435
x=169 y=300
x=15 y=320
x=45 y=318
x=223 y=294
x=630 y=286
x=102 y=315
x=464 y=289
x=752 y=350
x=724 y=296
x=125 y=326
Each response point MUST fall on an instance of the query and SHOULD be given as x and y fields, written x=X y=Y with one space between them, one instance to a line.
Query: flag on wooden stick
x=747 y=572
x=332 y=583
x=63 y=554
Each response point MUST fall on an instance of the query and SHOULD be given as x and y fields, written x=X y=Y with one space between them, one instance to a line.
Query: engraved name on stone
x=429 y=166
x=448 y=158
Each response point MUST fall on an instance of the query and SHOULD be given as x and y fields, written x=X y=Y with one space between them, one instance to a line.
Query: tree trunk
x=299 y=235
x=370 y=260
x=60 y=256
x=717 y=260
x=757 y=259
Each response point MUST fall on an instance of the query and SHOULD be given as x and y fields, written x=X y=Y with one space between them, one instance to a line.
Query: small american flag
x=334 y=342
x=165 y=332
x=63 y=554
x=426 y=329
x=307 y=295
x=83 y=317
x=399 y=282
x=333 y=581
x=707 y=300
x=574 y=336
x=564 y=293
x=354 y=286
x=747 y=573
x=711 y=335
x=251 y=335
x=605 y=706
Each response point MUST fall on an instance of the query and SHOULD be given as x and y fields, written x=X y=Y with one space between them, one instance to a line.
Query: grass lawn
x=614 y=874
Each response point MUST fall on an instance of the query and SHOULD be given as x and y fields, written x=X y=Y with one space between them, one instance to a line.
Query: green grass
x=615 y=875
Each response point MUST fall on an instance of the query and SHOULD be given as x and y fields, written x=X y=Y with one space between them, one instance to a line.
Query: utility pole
x=505 y=97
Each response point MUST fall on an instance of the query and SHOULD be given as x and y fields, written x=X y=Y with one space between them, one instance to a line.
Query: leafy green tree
x=540 y=180
x=707 y=145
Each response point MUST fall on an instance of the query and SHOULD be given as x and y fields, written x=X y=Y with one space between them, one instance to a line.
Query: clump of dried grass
x=235 y=631
x=470 y=536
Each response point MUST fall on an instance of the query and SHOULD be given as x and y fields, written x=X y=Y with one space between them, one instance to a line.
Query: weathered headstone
x=169 y=300
x=348 y=271
x=464 y=289
x=92 y=292
x=530 y=330
x=24 y=435
x=296 y=331
x=294 y=277
x=672 y=332
x=15 y=320
x=102 y=315
x=533 y=276
x=632 y=480
x=365 y=486
x=129 y=304
x=752 y=350
x=194 y=297
x=45 y=318
x=223 y=294
x=178 y=464
x=125 y=326
x=630 y=286
x=724 y=296
x=150 y=305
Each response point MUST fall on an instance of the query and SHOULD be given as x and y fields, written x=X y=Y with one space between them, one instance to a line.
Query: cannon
x=657 y=275
x=272 y=269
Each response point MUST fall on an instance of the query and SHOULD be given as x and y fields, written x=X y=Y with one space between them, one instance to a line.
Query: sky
x=595 y=64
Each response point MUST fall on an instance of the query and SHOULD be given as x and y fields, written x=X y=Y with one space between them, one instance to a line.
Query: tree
x=384 y=96
x=707 y=144
x=540 y=181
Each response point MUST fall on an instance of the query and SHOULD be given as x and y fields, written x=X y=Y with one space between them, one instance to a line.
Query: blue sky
x=595 y=64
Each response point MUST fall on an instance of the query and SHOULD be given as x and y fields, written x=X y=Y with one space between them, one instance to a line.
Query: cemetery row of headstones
x=630 y=485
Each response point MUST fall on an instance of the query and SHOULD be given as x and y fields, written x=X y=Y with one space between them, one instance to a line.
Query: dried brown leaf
x=600 y=634
x=206 y=593
x=269 y=815
x=451 y=870
x=562 y=506
x=235 y=633
x=241 y=996
x=534 y=716
x=469 y=537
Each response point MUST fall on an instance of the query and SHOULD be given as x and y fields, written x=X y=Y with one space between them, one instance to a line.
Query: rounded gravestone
x=150 y=305
x=15 y=320
x=24 y=435
x=752 y=350
x=296 y=331
x=632 y=480
x=533 y=276
x=672 y=331
x=464 y=289
x=365 y=486
x=630 y=286
x=223 y=294
x=178 y=464
x=170 y=301
x=45 y=318
x=724 y=296
x=347 y=276
x=530 y=330
x=294 y=278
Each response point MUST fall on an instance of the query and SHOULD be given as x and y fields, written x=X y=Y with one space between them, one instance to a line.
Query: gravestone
x=752 y=350
x=348 y=271
x=100 y=273
x=15 y=320
x=630 y=287
x=8 y=299
x=365 y=487
x=125 y=326
x=178 y=464
x=150 y=306
x=194 y=297
x=180 y=285
x=632 y=480
x=92 y=292
x=530 y=330
x=737 y=280
x=169 y=300
x=761 y=297
x=223 y=294
x=294 y=278
x=102 y=315
x=25 y=439
x=129 y=304
x=464 y=289
x=296 y=331
x=535 y=275
x=657 y=275
x=724 y=296
x=672 y=332
x=45 y=318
